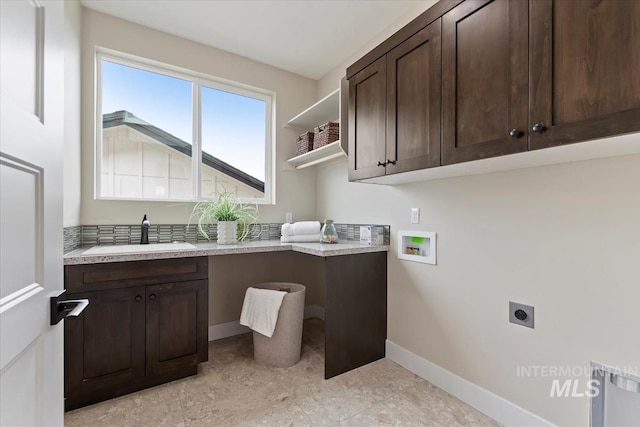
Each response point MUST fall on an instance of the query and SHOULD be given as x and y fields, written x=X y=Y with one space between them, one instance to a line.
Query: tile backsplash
x=94 y=235
x=72 y=238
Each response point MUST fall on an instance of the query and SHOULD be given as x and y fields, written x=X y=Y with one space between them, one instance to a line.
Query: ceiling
x=306 y=37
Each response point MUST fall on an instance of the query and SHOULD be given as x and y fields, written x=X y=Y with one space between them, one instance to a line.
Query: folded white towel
x=306 y=227
x=286 y=229
x=260 y=310
x=302 y=238
x=299 y=228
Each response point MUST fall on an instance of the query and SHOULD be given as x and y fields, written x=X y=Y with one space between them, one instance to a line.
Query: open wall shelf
x=328 y=109
x=325 y=110
x=319 y=155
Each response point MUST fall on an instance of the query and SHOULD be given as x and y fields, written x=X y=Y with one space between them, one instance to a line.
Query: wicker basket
x=304 y=143
x=326 y=134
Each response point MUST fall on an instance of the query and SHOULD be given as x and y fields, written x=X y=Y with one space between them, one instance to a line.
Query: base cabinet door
x=585 y=70
x=177 y=319
x=105 y=346
x=485 y=81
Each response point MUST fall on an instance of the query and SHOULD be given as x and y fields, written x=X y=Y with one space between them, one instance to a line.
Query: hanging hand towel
x=260 y=310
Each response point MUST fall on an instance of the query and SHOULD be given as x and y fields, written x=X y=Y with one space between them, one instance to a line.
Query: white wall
x=564 y=238
x=330 y=81
x=294 y=93
x=71 y=177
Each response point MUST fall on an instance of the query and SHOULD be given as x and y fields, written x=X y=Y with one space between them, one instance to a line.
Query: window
x=168 y=134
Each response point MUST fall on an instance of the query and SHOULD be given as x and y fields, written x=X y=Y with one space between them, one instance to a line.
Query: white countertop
x=207 y=249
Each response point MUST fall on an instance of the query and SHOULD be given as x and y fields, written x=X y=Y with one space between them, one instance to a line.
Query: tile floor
x=231 y=390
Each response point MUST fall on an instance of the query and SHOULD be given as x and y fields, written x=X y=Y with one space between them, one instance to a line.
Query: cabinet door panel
x=414 y=102
x=356 y=311
x=585 y=65
x=367 y=112
x=177 y=325
x=105 y=346
x=484 y=66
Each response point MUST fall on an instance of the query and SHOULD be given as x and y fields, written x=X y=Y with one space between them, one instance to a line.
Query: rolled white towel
x=302 y=238
x=286 y=229
x=306 y=227
x=300 y=228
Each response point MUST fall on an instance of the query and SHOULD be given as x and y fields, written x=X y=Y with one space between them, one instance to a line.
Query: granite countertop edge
x=76 y=256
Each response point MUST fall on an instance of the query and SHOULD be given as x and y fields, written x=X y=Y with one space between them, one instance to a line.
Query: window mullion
x=98 y=157
x=196 y=172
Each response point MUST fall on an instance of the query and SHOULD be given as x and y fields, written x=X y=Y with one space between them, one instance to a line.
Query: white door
x=31 y=86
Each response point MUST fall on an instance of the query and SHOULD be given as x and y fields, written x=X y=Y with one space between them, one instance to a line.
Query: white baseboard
x=501 y=410
x=224 y=330
x=230 y=329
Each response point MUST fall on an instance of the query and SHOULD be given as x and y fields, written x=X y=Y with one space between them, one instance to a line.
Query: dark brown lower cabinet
x=147 y=321
x=176 y=326
x=355 y=311
x=137 y=332
x=105 y=347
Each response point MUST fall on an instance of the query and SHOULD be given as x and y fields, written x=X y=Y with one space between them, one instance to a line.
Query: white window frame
x=198 y=80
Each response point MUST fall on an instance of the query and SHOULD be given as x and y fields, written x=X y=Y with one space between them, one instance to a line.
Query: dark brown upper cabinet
x=367 y=121
x=485 y=83
x=516 y=75
x=394 y=109
x=584 y=70
x=414 y=89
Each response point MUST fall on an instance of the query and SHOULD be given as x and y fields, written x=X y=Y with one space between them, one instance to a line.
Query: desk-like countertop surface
x=207 y=249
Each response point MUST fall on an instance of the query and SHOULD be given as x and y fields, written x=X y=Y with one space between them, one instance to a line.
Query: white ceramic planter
x=227 y=232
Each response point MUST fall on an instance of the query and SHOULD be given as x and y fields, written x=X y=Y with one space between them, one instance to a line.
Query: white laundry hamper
x=283 y=349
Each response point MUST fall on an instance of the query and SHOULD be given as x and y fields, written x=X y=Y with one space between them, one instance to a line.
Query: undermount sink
x=122 y=249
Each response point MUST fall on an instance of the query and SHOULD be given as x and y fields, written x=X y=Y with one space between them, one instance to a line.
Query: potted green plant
x=234 y=219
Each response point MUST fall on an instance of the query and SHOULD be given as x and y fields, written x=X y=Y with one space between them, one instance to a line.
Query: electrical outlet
x=415 y=215
x=288 y=217
x=521 y=314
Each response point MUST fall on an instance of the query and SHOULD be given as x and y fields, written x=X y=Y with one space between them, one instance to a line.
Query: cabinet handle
x=152 y=297
x=138 y=298
x=390 y=162
x=382 y=164
x=515 y=133
x=538 y=127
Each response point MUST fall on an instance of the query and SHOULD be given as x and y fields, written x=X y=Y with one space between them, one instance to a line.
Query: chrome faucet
x=144 y=239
